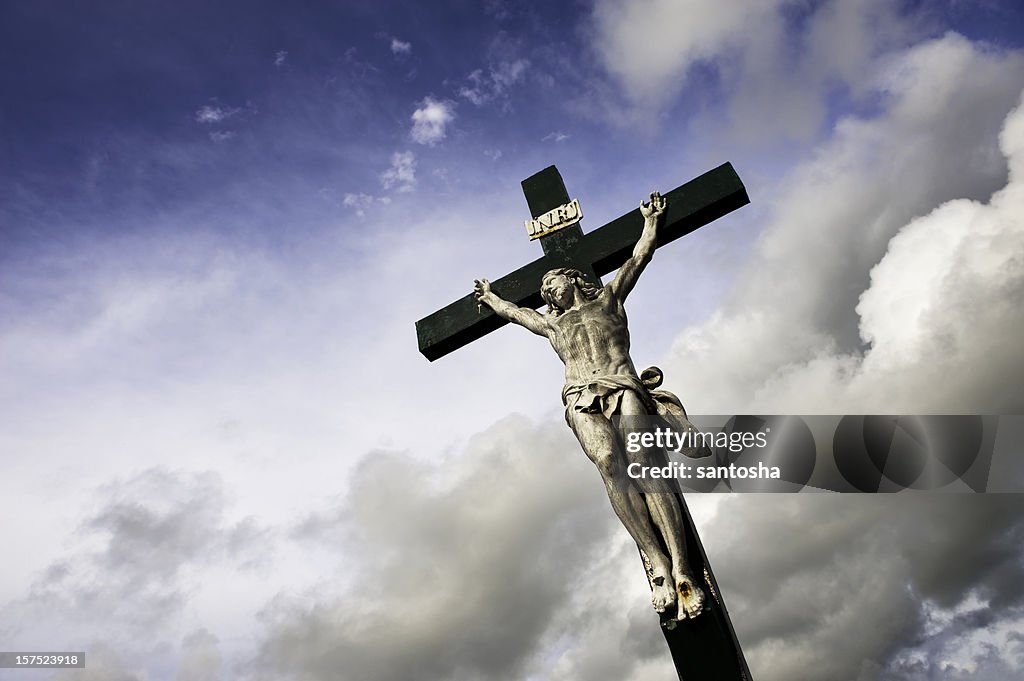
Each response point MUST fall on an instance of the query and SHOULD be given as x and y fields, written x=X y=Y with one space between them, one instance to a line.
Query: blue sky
x=296 y=107
x=103 y=106
x=219 y=222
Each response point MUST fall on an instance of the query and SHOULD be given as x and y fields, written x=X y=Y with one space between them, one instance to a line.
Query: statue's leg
x=599 y=440
x=663 y=505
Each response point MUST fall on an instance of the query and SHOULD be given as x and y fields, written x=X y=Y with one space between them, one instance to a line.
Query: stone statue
x=587 y=328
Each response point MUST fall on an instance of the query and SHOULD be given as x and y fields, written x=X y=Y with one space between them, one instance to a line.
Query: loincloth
x=603 y=395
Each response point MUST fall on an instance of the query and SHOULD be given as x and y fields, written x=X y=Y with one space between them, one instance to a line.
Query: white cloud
x=430 y=120
x=508 y=73
x=555 y=136
x=883 y=272
x=280 y=57
x=649 y=45
x=214 y=114
x=402 y=173
x=222 y=135
x=400 y=46
x=775 y=73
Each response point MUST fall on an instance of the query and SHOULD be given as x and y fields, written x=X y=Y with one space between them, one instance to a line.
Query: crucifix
x=586 y=325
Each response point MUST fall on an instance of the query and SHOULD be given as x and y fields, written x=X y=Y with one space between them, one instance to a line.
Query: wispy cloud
x=401 y=176
x=210 y=114
x=430 y=121
x=495 y=82
x=360 y=201
x=555 y=136
x=222 y=135
x=280 y=57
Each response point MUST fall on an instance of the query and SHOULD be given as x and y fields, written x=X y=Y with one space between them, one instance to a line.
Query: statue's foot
x=663 y=595
x=690 y=597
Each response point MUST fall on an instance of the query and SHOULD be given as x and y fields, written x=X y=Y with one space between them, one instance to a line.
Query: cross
x=704 y=648
x=691 y=206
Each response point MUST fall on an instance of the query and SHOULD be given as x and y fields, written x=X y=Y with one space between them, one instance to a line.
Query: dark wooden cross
x=704 y=648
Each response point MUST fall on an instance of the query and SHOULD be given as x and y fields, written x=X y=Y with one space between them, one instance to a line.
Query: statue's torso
x=593 y=339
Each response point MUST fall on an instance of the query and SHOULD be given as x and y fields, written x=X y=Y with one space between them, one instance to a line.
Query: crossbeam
x=690 y=206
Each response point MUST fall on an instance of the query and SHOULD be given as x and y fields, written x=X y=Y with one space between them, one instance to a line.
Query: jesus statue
x=587 y=328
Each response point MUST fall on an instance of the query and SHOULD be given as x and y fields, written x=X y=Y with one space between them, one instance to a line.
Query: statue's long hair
x=588 y=290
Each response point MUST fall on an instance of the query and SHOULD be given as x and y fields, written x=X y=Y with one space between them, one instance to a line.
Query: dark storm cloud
x=505 y=560
x=463 y=567
x=832 y=585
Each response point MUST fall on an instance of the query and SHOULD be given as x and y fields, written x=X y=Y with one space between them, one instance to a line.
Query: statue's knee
x=606 y=462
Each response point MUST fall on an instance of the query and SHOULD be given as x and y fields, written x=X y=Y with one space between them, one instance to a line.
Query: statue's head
x=557 y=288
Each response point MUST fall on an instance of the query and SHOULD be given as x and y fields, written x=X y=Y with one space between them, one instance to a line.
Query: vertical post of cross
x=545 y=191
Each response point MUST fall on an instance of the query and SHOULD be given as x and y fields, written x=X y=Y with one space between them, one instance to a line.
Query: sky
x=224 y=458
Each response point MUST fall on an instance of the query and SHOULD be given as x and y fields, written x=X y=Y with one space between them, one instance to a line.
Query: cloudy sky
x=223 y=457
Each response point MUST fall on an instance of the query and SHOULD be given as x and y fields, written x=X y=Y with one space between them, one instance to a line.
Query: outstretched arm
x=522 y=316
x=630 y=271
